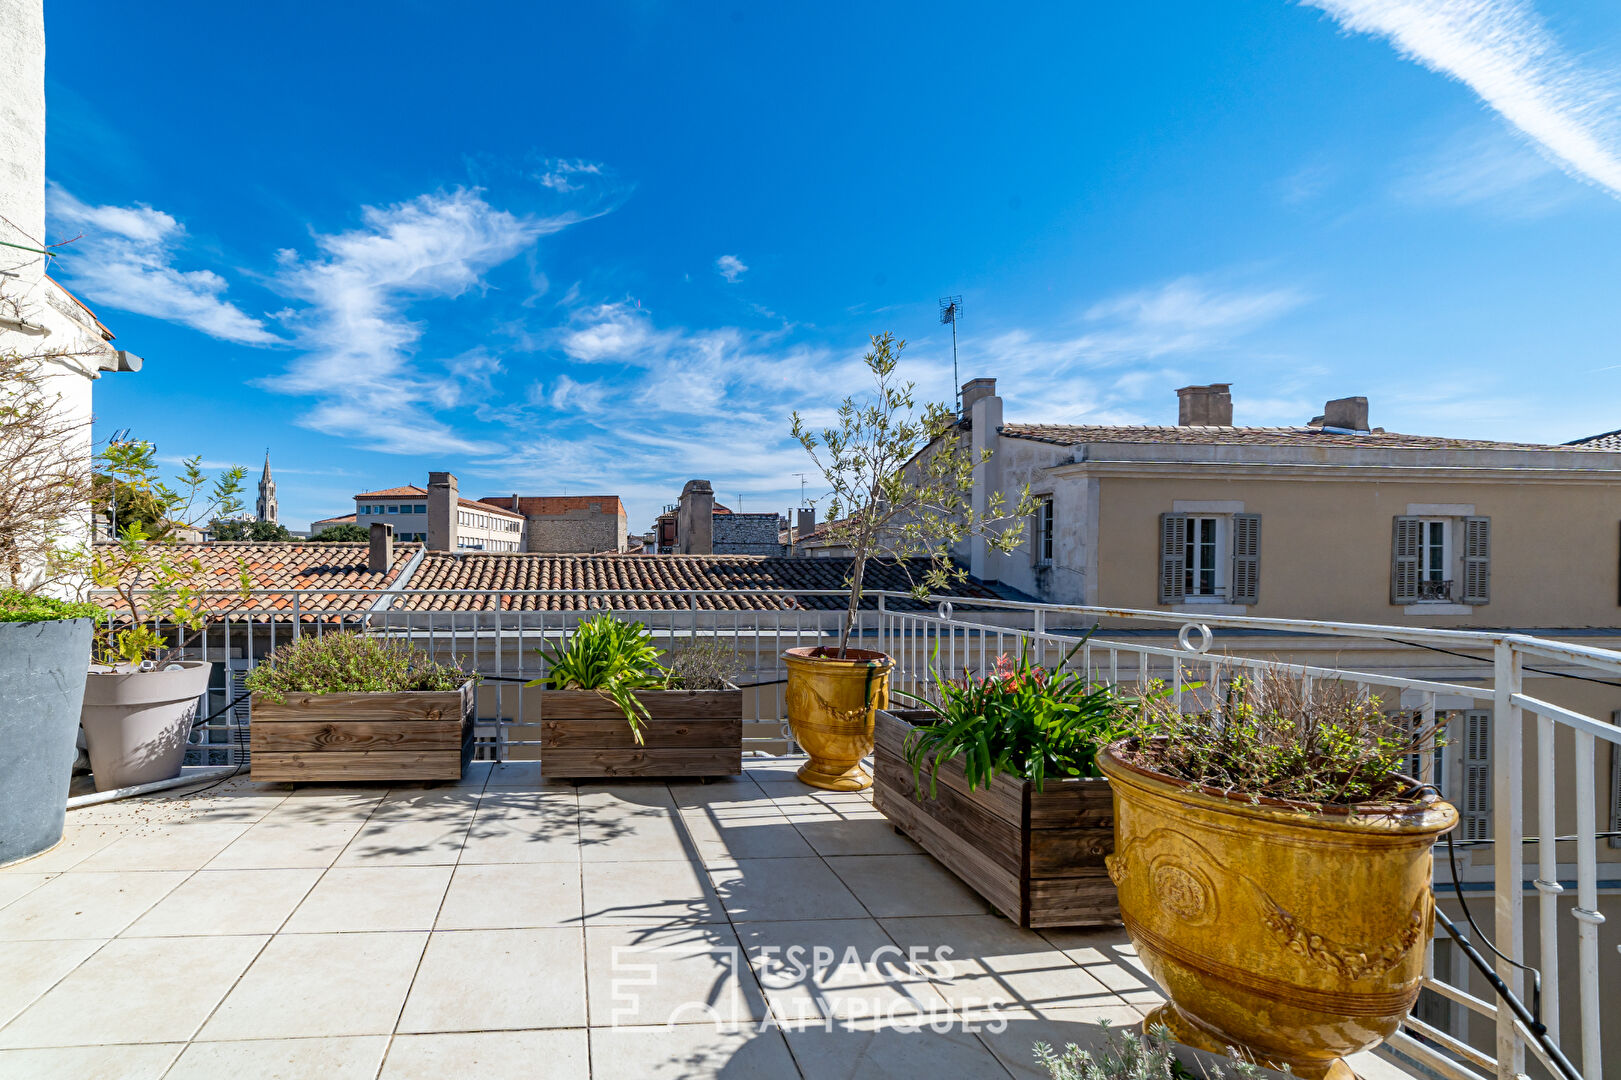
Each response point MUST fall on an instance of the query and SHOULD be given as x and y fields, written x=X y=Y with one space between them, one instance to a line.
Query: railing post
x=1508 y=827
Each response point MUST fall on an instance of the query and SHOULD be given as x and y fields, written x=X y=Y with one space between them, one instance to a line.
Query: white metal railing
x=1428 y=671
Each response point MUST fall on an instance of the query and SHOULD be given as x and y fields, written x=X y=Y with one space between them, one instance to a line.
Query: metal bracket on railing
x=1205 y=637
x=945 y=610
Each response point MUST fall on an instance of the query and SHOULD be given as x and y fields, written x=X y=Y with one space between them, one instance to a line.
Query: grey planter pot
x=42 y=671
x=136 y=722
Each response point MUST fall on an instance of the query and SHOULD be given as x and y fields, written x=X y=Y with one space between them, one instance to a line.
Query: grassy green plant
x=1281 y=736
x=18 y=606
x=702 y=665
x=1132 y=1055
x=348 y=663
x=614 y=658
x=1025 y=720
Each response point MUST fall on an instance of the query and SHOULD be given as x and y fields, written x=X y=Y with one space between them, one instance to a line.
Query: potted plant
x=901 y=486
x=141 y=696
x=995 y=777
x=44 y=511
x=609 y=708
x=1274 y=867
x=349 y=706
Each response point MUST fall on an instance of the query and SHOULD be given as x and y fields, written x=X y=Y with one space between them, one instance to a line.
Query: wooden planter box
x=583 y=734
x=416 y=735
x=1037 y=856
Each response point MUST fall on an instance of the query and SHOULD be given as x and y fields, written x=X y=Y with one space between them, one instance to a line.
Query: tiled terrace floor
x=497 y=929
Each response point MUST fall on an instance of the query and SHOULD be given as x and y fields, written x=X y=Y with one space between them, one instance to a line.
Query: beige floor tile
x=90 y=1062
x=490 y=1055
x=649 y=894
x=516 y=830
x=980 y=961
x=900 y=885
x=881 y=1052
x=1110 y=958
x=619 y=825
x=723 y=834
x=636 y=976
x=135 y=990
x=320 y=985
x=80 y=840
x=515 y=774
x=351 y=1058
x=327 y=804
x=482 y=980
x=731 y=790
x=227 y=902
x=13 y=886
x=1014 y=1034
x=286 y=843
x=164 y=847
x=426 y=840
x=501 y=896
x=372 y=898
x=448 y=805
x=816 y=970
x=755 y=890
x=833 y=835
x=85 y=905
x=690 y=1052
x=32 y=967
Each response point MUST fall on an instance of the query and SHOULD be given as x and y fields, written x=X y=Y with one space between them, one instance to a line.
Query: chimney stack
x=695 y=519
x=807 y=523
x=1346 y=413
x=974 y=390
x=1205 y=406
x=444 y=501
x=380 y=556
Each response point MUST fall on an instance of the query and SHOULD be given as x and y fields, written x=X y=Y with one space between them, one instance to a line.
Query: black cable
x=1484 y=660
x=1537 y=1027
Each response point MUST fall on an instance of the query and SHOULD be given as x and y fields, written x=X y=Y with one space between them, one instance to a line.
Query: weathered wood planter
x=583 y=734
x=416 y=735
x=1037 y=856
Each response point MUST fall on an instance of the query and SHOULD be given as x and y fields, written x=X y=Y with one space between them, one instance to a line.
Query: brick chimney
x=1347 y=413
x=380 y=556
x=974 y=390
x=444 y=495
x=695 y=519
x=1205 y=406
x=807 y=523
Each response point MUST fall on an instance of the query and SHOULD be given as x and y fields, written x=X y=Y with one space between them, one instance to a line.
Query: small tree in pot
x=902 y=483
x=140 y=697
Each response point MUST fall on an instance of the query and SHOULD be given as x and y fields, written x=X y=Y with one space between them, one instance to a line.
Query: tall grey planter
x=136 y=723
x=42 y=673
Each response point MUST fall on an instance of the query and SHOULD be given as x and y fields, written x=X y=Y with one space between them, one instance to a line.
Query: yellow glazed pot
x=1293 y=932
x=831 y=706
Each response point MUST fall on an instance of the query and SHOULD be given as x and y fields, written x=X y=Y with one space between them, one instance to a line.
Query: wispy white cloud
x=126 y=259
x=731 y=268
x=1503 y=51
x=564 y=176
x=359 y=361
x=1490 y=171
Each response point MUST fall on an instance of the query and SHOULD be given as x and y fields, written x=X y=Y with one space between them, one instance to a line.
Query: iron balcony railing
x=1537 y=758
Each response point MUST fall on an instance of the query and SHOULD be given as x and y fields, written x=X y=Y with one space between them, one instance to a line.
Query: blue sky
x=610 y=247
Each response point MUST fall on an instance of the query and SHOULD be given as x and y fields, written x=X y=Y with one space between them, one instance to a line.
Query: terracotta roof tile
x=1610 y=440
x=1079 y=434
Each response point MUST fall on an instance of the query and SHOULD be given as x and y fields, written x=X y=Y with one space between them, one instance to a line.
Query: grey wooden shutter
x=1615 y=785
x=1246 y=559
x=1173 y=558
x=1477 y=560
x=1406 y=535
x=1476 y=788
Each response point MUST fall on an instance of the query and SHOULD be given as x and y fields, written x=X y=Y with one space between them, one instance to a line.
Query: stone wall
x=747 y=534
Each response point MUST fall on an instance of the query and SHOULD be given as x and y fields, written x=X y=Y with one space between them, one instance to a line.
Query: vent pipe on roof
x=1205 y=406
x=380 y=555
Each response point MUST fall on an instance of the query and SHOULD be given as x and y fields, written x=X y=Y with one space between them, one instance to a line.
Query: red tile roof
x=1610 y=440
x=286 y=566
x=344 y=519
x=494 y=571
x=1080 y=434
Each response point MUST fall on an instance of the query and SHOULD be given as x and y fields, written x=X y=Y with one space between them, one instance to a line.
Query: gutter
x=391 y=592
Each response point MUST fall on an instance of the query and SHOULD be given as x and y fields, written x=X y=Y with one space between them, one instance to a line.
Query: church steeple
x=267 y=493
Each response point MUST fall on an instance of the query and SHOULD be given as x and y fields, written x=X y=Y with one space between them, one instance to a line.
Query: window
x=393 y=509
x=1440 y=560
x=363 y=509
x=419 y=509
x=1042 y=532
x=1210 y=558
x=1476 y=776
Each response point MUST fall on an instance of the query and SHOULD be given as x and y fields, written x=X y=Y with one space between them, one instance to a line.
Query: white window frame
x=1450 y=570
x=1042 y=535
x=1222 y=553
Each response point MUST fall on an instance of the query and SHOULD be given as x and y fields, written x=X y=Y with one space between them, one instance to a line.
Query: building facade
x=698 y=525
x=569 y=524
x=436 y=515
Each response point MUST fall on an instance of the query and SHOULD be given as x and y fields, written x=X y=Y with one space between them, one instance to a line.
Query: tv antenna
x=801 y=487
x=950 y=312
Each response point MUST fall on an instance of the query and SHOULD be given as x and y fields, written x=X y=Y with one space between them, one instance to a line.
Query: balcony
x=650 y=928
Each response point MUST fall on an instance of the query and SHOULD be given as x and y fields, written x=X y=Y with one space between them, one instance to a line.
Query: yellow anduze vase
x=832 y=703
x=1295 y=933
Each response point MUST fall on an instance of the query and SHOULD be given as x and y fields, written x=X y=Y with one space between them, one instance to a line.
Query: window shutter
x=1477 y=560
x=1615 y=785
x=1246 y=559
x=1404 y=543
x=1477 y=775
x=1173 y=557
